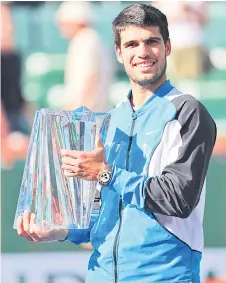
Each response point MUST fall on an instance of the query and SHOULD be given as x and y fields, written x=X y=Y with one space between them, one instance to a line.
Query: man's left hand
x=85 y=165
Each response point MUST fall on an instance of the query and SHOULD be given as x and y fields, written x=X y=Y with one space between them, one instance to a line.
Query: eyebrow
x=152 y=38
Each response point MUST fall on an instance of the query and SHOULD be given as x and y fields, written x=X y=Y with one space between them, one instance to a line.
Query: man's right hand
x=27 y=228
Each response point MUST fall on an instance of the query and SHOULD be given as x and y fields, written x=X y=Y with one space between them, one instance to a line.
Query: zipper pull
x=134 y=115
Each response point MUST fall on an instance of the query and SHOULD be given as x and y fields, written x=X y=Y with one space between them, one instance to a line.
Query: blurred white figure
x=88 y=72
x=186 y=22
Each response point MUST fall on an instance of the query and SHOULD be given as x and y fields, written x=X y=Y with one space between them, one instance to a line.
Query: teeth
x=145 y=64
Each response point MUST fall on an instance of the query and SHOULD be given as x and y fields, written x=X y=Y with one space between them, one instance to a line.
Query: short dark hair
x=141 y=15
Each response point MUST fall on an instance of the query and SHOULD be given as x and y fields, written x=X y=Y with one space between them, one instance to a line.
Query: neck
x=140 y=94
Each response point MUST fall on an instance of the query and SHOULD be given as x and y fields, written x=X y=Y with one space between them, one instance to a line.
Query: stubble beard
x=154 y=79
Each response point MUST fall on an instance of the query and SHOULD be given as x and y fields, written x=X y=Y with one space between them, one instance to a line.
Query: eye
x=131 y=44
x=152 y=41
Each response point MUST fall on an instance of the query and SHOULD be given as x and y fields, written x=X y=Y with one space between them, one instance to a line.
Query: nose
x=143 y=51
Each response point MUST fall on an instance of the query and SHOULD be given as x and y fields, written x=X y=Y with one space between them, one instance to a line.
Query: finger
x=33 y=229
x=71 y=153
x=28 y=237
x=26 y=220
x=69 y=161
x=20 y=229
x=69 y=174
x=41 y=232
x=32 y=223
x=68 y=168
x=19 y=225
x=99 y=142
x=36 y=230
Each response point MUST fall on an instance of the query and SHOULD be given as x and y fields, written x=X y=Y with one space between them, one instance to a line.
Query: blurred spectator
x=13 y=122
x=189 y=58
x=88 y=72
x=11 y=95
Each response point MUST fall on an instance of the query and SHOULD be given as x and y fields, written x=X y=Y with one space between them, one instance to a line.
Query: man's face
x=143 y=54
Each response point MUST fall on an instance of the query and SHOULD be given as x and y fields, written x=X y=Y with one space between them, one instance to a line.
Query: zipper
x=134 y=116
x=116 y=240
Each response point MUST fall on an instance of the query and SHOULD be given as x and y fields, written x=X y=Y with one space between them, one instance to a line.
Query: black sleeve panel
x=177 y=191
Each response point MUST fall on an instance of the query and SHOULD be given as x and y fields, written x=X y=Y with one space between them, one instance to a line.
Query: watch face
x=105 y=177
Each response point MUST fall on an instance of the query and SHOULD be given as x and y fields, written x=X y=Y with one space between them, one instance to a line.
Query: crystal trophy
x=58 y=201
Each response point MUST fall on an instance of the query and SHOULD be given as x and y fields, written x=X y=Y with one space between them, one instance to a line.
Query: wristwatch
x=105 y=174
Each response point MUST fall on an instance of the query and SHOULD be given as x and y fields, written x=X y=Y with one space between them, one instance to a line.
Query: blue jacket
x=149 y=226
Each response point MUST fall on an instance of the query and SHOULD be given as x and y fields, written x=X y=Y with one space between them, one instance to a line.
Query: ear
x=168 y=47
x=118 y=54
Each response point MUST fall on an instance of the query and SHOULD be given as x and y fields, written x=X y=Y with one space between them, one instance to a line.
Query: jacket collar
x=163 y=90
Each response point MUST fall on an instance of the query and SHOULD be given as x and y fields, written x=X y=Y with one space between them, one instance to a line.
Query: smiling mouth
x=145 y=64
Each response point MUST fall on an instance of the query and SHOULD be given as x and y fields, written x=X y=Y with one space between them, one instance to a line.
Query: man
x=88 y=70
x=152 y=169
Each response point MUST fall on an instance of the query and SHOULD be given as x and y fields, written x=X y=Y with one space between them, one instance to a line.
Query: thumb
x=99 y=142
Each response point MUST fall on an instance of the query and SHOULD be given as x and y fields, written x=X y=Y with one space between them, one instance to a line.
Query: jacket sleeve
x=79 y=236
x=177 y=190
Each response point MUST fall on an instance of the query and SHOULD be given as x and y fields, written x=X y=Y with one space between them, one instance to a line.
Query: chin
x=147 y=78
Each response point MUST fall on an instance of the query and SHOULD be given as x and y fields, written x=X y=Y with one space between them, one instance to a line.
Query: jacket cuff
x=77 y=236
